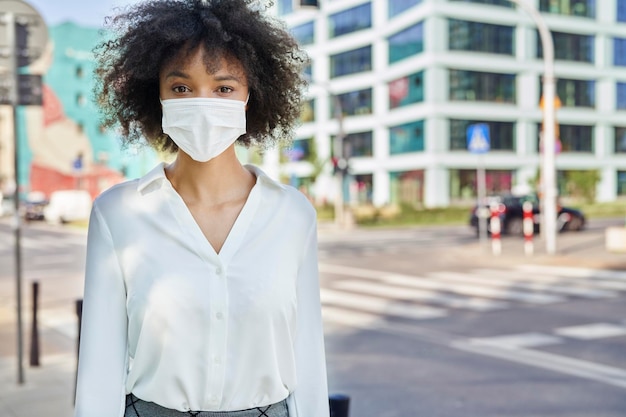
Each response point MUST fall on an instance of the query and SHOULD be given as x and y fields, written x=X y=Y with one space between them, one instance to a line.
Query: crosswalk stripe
x=580 y=282
x=533 y=286
x=379 y=305
x=463 y=289
x=349 y=317
x=575 y=271
x=414 y=294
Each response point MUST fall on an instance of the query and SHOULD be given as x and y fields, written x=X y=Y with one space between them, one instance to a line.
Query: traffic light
x=21 y=44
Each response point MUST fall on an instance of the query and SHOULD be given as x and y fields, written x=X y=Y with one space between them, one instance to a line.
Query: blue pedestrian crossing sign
x=478 y=138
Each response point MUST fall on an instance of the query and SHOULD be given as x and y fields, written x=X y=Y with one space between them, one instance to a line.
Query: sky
x=82 y=12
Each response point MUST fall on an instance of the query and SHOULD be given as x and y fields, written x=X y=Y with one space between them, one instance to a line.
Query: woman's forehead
x=213 y=61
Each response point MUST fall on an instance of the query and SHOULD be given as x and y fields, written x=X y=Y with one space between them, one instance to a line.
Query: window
x=353 y=103
x=395 y=7
x=351 y=62
x=621 y=183
x=570 y=47
x=583 y=8
x=406 y=43
x=408 y=137
x=299 y=151
x=406 y=90
x=575 y=93
x=620 y=140
x=620 y=95
x=308 y=111
x=482 y=86
x=364 y=188
x=463 y=183
x=351 y=20
x=621 y=10
x=285 y=7
x=575 y=138
x=356 y=144
x=480 y=37
x=501 y=135
x=304 y=34
x=503 y=3
x=619 y=52
x=407 y=187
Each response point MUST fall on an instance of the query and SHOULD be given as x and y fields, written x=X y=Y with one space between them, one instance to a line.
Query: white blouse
x=170 y=320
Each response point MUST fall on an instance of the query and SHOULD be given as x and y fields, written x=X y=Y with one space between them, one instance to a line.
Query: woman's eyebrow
x=227 y=77
x=176 y=73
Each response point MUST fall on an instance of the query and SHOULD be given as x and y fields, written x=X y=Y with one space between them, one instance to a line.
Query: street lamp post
x=548 y=172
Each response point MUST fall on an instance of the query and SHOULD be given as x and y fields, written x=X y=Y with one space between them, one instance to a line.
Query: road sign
x=30 y=28
x=478 y=138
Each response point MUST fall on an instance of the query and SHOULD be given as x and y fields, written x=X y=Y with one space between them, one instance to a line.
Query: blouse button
x=219 y=315
x=218 y=271
x=185 y=406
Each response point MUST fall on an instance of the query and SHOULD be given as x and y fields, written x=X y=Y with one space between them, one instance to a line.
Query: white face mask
x=203 y=127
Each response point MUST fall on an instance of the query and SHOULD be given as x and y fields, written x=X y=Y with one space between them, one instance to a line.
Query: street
x=418 y=321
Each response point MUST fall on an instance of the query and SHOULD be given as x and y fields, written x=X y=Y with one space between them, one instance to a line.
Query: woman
x=201 y=290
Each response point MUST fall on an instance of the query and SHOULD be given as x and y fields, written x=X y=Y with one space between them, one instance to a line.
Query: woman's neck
x=218 y=181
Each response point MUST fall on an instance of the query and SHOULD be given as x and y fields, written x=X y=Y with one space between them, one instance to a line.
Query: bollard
x=528 y=226
x=496 y=244
x=79 y=315
x=34 y=335
x=339 y=405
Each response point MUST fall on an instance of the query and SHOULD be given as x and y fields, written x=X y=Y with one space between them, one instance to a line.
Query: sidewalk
x=48 y=390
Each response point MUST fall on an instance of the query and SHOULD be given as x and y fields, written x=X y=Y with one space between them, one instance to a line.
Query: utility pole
x=548 y=171
x=26 y=35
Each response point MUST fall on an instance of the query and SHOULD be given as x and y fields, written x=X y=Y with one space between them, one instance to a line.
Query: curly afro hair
x=144 y=37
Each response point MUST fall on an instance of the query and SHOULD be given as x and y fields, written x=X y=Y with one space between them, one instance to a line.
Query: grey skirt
x=136 y=407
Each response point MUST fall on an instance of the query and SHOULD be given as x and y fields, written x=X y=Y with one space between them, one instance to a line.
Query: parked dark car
x=511 y=214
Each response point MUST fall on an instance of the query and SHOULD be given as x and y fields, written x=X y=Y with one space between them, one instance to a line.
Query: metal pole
x=548 y=174
x=13 y=66
x=483 y=207
x=339 y=175
x=34 y=336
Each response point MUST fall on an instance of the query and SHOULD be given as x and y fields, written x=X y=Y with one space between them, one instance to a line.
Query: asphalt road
x=422 y=321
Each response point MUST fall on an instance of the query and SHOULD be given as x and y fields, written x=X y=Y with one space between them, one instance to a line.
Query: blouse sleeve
x=102 y=364
x=310 y=397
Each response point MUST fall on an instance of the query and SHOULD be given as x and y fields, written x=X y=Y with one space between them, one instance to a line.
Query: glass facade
x=463 y=183
x=570 y=47
x=620 y=95
x=621 y=183
x=575 y=138
x=503 y=3
x=619 y=52
x=408 y=137
x=304 y=34
x=481 y=86
x=284 y=7
x=620 y=140
x=395 y=7
x=351 y=20
x=406 y=187
x=576 y=93
x=359 y=144
x=501 y=135
x=583 y=8
x=621 y=10
x=300 y=150
x=406 y=90
x=351 y=62
x=480 y=37
x=406 y=43
x=353 y=103
x=308 y=111
x=364 y=187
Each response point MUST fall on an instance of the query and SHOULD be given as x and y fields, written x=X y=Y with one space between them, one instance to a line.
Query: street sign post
x=23 y=37
x=478 y=142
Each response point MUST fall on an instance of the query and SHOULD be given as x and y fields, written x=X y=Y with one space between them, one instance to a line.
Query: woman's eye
x=180 y=89
x=225 y=90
